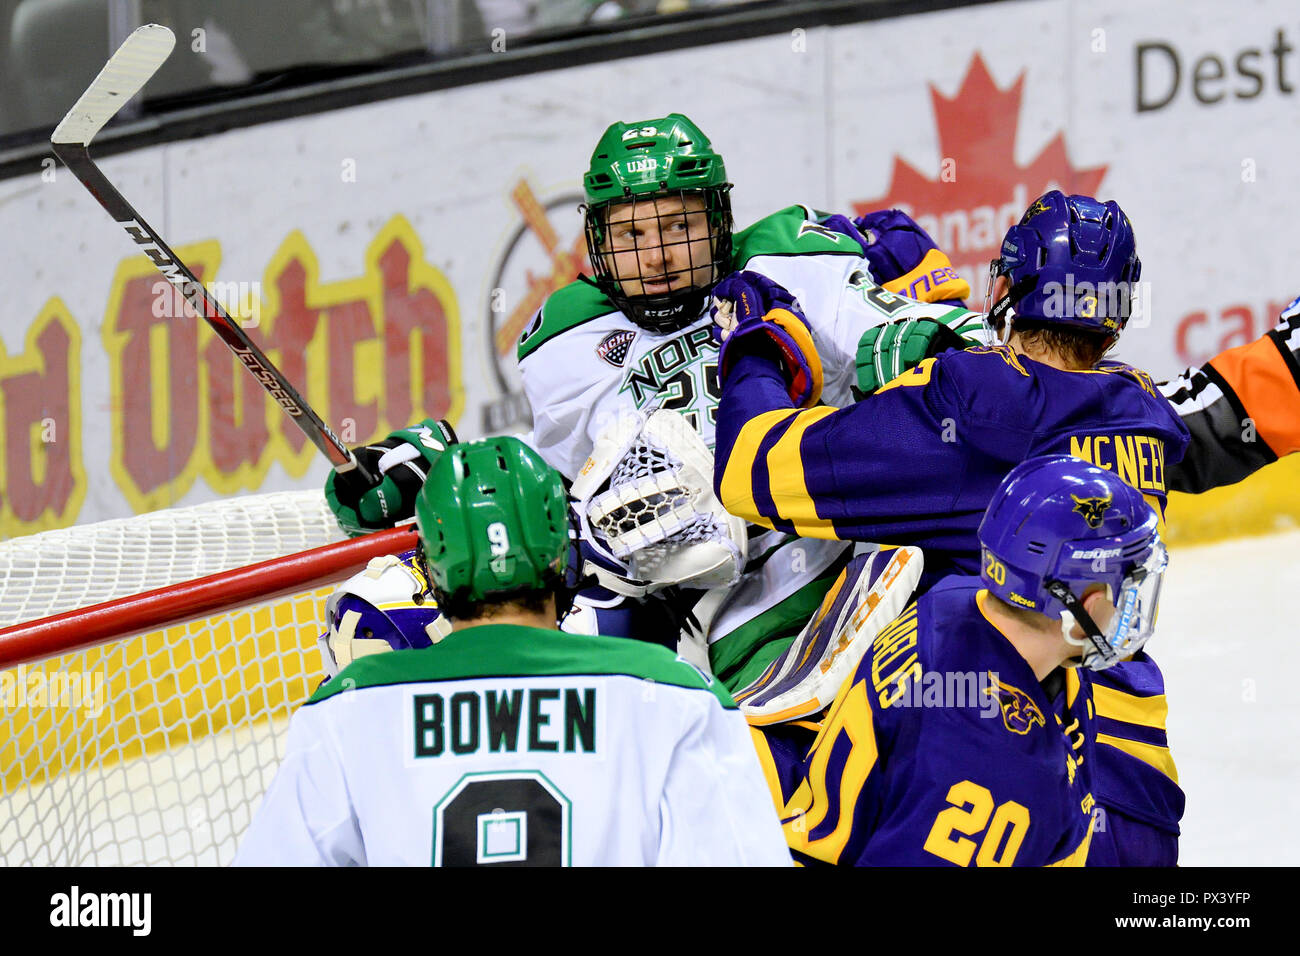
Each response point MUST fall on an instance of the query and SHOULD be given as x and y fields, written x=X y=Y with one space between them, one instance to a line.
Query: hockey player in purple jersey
x=917 y=462
x=966 y=736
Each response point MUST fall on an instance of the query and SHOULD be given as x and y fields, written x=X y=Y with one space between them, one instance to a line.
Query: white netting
x=646 y=502
x=650 y=513
x=155 y=748
x=43 y=574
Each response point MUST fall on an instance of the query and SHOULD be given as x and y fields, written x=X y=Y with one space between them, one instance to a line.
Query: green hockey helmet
x=493 y=519
x=661 y=265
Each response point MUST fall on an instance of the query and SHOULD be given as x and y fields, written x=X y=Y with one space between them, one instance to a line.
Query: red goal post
x=148 y=668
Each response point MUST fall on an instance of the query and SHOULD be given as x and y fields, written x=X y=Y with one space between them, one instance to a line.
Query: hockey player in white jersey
x=510 y=743
x=605 y=352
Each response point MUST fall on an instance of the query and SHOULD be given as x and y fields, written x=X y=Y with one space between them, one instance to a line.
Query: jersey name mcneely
x=499 y=722
x=1138 y=459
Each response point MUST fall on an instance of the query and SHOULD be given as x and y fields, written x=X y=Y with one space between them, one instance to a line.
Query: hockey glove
x=751 y=311
x=904 y=259
x=887 y=351
x=401 y=461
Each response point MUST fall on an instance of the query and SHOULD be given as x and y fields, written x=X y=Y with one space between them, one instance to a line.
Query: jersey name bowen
x=538 y=720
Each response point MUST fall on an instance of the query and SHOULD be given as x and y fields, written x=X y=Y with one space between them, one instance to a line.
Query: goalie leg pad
x=870 y=593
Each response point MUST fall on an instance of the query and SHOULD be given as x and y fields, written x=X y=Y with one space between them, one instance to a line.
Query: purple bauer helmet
x=1071 y=260
x=1058 y=524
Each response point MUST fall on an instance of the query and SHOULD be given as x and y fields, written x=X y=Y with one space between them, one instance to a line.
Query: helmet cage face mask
x=686 y=233
x=1133 y=622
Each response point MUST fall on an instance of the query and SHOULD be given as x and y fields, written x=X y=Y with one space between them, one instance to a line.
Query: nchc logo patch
x=613 y=347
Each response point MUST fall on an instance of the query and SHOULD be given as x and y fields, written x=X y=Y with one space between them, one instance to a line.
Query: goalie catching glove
x=401 y=461
x=645 y=502
x=751 y=312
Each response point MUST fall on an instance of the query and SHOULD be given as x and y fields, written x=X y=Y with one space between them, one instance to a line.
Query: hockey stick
x=125 y=74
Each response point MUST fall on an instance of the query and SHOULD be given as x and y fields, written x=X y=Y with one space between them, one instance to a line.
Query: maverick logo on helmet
x=658 y=220
x=1093 y=510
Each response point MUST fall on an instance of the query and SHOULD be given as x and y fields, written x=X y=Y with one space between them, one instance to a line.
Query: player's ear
x=1099 y=604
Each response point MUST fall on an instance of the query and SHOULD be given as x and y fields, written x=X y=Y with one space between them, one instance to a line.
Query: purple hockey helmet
x=388 y=606
x=1058 y=524
x=1071 y=260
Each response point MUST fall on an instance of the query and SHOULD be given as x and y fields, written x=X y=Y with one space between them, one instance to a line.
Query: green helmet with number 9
x=494 y=523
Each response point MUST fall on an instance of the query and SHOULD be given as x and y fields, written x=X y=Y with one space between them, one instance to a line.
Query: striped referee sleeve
x=1242 y=408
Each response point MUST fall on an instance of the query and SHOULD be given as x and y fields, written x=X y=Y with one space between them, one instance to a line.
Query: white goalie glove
x=645 y=496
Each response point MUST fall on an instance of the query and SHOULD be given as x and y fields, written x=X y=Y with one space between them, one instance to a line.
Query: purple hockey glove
x=904 y=259
x=749 y=309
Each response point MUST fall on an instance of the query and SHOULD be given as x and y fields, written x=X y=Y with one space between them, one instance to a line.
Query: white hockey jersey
x=515 y=746
x=584 y=364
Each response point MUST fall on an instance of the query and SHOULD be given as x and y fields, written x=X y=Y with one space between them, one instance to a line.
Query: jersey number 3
x=517 y=818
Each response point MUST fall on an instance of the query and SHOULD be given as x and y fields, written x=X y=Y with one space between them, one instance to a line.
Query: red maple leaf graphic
x=980 y=192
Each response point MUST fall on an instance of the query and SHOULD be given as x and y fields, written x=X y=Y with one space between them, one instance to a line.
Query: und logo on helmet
x=1093 y=510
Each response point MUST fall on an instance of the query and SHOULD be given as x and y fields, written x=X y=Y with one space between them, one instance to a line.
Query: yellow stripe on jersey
x=1072 y=685
x=737 y=485
x=768 y=764
x=1079 y=855
x=917 y=375
x=853 y=717
x=1155 y=756
x=1117 y=705
x=786 y=479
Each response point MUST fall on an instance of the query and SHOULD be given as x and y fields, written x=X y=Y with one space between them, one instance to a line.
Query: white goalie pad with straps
x=646 y=497
x=867 y=596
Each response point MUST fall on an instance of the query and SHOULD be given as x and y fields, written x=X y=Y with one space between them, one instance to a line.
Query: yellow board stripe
x=786 y=479
x=738 y=480
x=1147 y=711
x=1158 y=757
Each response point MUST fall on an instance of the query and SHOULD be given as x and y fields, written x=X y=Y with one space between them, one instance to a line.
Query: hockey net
x=135 y=733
